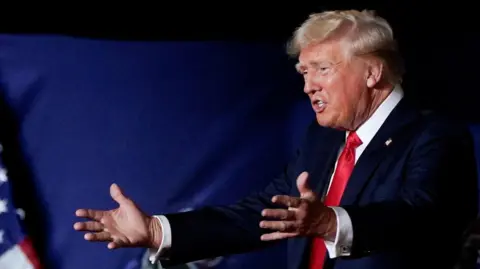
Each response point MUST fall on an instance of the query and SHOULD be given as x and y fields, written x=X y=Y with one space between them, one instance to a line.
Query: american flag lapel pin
x=388 y=142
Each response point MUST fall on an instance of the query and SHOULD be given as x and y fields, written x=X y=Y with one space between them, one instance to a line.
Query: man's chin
x=324 y=122
x=327 y=122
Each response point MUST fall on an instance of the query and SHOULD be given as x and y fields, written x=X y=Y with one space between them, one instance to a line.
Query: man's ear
x=375 y=71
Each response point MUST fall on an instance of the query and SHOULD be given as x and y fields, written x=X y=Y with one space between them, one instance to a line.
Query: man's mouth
x=318 y=105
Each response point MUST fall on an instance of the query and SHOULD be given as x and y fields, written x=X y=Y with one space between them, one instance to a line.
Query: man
x=376 y=184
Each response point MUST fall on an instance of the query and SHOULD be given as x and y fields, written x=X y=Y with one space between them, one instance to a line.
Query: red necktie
x=344 y=169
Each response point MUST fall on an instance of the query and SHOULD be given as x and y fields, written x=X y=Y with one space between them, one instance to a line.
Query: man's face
x=335 y=84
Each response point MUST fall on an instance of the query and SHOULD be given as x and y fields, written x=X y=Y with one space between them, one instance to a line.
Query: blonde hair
x=365 y=33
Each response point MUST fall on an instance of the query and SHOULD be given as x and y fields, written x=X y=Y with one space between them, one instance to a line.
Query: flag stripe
x=27 y=247
x=15 y=258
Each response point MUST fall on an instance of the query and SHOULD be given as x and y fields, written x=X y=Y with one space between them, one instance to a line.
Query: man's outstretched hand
x=125 y=226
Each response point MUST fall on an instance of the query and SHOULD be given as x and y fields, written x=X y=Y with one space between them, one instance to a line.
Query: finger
x=282 y=226
x=117 y=194
x=116 y=243
x=101 y=236
x=286 y=200
x=303 y=188
x=90 y=213
x=277 y=236
x=282 y=214
x=91 y=226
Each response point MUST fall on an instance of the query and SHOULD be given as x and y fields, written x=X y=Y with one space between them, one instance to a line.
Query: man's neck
x=378 y=97
x=369 y=128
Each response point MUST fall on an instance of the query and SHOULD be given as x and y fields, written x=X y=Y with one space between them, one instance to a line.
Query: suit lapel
x=377 y=149
x=325 y=155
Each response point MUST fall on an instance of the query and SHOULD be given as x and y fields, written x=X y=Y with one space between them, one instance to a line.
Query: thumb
x=117 y=194
x=303 y=188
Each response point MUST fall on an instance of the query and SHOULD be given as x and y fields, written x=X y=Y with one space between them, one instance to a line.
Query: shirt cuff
x=344 y=237
x=166 y=243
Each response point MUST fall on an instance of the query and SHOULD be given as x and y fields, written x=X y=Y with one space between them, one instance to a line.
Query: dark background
x=439 y=41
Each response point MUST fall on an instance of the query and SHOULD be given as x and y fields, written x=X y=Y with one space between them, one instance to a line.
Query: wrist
x=155 y=233
x=331 y=225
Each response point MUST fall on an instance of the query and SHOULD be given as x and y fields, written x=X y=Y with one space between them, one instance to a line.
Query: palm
x=125 y=226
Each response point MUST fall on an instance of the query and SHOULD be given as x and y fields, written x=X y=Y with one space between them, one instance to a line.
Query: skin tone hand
x=306 y=216
x=125 y=226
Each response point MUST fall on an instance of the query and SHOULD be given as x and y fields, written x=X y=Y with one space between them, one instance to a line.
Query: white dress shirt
x=344 y=237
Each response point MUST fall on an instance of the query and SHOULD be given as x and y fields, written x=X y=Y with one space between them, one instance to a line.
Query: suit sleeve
x=438 y=198
x=216 y=231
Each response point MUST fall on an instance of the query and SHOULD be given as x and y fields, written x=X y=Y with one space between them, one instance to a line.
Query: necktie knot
x=353 y=141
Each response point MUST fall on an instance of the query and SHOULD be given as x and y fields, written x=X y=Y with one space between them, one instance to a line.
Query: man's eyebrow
x=299 y=67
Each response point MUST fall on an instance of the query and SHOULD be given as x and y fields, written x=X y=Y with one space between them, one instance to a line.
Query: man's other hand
x=304 y=216
x=125 y=226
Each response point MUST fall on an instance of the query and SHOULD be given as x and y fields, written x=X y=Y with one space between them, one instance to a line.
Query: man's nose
x=310 y=86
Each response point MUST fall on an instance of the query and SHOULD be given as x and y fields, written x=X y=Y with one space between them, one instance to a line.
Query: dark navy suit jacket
x=409 y=201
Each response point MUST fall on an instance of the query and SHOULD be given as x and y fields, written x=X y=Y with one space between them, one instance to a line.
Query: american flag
x=16 y=250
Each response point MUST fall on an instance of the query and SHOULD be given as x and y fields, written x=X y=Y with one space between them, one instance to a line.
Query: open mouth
x=318 y=105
